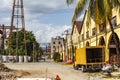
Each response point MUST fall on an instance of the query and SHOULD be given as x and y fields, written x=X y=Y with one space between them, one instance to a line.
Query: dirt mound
x=9 y=74
x=6 y=73
x=3 y=68
x=21 y=73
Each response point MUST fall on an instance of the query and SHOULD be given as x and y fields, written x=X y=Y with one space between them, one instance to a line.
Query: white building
x=57 y=44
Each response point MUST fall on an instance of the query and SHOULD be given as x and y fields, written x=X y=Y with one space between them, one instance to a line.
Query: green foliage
x=56 y=56
x=2 y=52
x=18 y=39
x=100 y=9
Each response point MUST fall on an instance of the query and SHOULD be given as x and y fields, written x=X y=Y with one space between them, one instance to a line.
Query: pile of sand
x=9 y=74
x=3 y=68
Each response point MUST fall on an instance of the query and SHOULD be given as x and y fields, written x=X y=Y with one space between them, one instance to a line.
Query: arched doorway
x=112 y=49
x=87 y=43
x=102 y=41
x=74 y=55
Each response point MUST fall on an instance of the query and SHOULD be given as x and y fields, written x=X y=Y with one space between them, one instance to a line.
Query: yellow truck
x=89 y=58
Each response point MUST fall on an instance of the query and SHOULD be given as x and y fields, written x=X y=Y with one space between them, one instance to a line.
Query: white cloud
x=44 y=32
x=5 y=20
x=5 y=5
x=34 y=9
x=44 y=6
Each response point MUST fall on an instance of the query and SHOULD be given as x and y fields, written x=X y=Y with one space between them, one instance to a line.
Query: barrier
x=4 y=58
x=20 y=59
x=25 y=59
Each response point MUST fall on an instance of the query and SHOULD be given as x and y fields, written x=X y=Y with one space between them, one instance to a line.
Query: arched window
x=102 y=41
x=87 y=43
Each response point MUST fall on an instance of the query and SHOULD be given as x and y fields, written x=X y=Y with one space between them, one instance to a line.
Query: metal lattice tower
x=18 y=21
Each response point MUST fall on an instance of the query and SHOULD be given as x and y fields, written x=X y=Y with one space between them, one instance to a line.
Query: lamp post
x=70 y=55
x=66 y=43
x=33 y=52
x=72 y=50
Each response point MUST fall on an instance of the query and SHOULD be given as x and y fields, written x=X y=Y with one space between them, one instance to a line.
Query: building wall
x=70 y=52
x=96 y=39
x=75 y=37
x=57 y=45
x=75 y=41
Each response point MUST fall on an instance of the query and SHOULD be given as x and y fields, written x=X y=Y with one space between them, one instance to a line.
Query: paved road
x=49 y=69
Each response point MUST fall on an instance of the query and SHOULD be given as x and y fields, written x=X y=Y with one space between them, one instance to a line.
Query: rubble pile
x=3 y=68
x=6 y=73
x=7 y=76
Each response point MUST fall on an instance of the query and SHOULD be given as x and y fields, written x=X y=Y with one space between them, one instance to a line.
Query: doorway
x=113 y=57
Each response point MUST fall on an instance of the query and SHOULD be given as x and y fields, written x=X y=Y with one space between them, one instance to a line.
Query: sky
x=45 y=18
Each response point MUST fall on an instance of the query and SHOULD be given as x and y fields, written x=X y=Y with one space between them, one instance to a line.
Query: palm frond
x=108 y=8
x=115 y=4
x=100 y=11
x=80 y=6
x=69 y=2
x=91 y=9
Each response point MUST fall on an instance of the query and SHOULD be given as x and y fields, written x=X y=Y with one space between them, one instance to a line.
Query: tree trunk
x=115 y=40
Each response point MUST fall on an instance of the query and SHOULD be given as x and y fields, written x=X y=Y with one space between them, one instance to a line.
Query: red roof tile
x=78 y=25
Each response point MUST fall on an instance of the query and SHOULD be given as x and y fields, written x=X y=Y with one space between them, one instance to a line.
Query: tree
x=30 y=38
x=56 y=56
x=102 y=11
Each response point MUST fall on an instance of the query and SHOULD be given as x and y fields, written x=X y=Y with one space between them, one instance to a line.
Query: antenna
x=18 y=21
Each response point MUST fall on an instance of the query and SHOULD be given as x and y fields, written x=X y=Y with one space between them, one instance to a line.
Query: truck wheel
x=75 y=67
x=83 y=69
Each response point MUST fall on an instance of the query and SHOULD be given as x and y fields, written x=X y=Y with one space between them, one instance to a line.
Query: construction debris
x=7 y=76
x=3 y=68
x=6 y=73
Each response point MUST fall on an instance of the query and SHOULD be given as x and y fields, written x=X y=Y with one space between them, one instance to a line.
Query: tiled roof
x=78 y=25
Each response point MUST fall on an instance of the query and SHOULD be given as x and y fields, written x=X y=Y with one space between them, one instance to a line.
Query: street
x=48 y=69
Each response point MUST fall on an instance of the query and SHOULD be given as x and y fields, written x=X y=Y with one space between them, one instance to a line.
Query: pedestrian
x=107 y=68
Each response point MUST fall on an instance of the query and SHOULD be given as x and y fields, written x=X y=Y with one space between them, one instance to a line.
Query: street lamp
x=34 y=55
x=69 y=55
x=66 y=45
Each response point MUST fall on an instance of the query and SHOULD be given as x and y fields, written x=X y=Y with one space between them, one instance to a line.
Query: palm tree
x=69 y=1
x=102 y=11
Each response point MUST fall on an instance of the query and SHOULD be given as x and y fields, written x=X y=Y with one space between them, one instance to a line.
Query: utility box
x=88 y=58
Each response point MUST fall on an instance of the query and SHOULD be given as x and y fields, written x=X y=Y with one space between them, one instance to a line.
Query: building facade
x=58 y=45
x=77 y=25
x=100 y=35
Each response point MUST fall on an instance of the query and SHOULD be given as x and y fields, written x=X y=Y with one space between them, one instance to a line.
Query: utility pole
x=33 y=52
x=72 y=50
x=66 y=45
x=70 y=55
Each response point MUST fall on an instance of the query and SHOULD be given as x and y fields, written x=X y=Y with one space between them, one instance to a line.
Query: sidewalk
x=111 y=79
x=115 y=76
x=66 y=64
